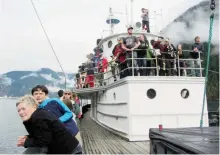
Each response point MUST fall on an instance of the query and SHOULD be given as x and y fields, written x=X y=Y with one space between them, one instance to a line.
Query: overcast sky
x=72 y=26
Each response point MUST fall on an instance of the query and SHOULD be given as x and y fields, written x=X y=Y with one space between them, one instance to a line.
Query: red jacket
x=157 y=45
x=102 y=65
x=118 y=50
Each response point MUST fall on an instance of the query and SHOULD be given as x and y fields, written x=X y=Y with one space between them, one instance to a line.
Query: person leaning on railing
x=180 y=63
x=144 y=53
x=120 y=56
x=197 y=48
x=102 y=68
x=113 y=65
x=130 y=43
x=168 y=58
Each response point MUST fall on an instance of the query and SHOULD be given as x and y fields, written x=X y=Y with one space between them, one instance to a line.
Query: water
x=11 y=127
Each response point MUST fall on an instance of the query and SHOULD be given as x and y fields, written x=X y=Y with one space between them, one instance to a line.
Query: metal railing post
x=178 y=59
x=200 y=65
x=132 y=62
x=157 y=69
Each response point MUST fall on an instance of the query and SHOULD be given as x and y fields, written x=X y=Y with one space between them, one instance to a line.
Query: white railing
x=101 y=79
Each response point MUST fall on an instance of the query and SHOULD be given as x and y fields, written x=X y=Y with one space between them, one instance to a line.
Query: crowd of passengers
x=52 y=123
x=145 y=59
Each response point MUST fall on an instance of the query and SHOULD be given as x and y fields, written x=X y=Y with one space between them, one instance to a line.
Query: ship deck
x=98 y=140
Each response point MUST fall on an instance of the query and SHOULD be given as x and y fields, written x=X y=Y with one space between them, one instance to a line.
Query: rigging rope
x=212 y=7
x=49 y=41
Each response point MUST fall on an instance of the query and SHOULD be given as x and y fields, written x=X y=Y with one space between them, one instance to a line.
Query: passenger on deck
x=60 y=94
x=102 y=68
x=69 y=96
x=158 y=47
x=168 y=58
x=89 y=82
x=97 y=51
x=119 y=55
x=196 y=47
x=74 y=107
x=83 y=75
x=78 y=79
x=181 y=63
x=77 y=101
x=47 y=135
x=145 y=20
x=130 y=43
x=157 y=44
x=56 y=106
x=144 y=53
x=113 y=65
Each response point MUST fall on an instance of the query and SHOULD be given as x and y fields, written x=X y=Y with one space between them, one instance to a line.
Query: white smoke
x=199 y=26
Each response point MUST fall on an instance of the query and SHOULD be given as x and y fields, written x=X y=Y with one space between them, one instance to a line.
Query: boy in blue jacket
x=56 y=106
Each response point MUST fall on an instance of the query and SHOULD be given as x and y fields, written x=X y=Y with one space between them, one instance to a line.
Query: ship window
x=151 y=93
x=184 y=93
x=109 y=44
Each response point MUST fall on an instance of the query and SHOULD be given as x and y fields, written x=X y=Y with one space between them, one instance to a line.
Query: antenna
x=132 y=13
x=126 y=15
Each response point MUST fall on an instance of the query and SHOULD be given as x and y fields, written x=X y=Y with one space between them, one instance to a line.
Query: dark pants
x=165 y=66
x=142 y=63
x=146 y=23
x=154 y=63
x=122 y=70
x=180 y=64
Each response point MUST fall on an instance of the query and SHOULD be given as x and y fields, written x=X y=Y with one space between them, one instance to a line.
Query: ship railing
x=103 y=78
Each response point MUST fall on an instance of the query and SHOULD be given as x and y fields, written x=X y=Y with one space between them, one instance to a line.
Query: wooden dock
x=98 y=140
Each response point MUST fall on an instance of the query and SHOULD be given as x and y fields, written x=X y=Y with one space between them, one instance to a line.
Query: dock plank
x=98 y=140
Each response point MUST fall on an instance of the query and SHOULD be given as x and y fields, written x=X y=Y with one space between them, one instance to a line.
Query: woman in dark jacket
x=45 y=130
x=142 y=53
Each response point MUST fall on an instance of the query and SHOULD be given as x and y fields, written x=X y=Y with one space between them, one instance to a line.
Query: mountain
x=194 y=22
x=18 y=83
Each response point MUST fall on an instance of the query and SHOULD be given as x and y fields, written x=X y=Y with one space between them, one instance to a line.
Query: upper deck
x=182 y=67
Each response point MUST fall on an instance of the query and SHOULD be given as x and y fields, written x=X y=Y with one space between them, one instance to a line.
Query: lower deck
x=98 y=140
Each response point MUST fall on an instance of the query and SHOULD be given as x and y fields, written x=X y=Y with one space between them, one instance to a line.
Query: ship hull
x=128 y=109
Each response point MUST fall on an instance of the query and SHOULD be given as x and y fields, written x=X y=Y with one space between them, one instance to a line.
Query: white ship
x=131 y=106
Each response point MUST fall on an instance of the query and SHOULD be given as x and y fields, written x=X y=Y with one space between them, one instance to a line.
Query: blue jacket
x=60 y=110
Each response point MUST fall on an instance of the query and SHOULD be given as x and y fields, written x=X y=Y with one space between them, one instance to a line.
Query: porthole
x=184 y=93
x=151 y=93
x=109 y=44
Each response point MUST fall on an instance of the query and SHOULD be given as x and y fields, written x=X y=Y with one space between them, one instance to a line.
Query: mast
x=127 y=15
x=110 y=20
x=132 y=22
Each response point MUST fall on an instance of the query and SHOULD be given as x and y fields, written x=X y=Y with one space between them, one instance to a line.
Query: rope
x=213 y=71
x=49 y=40
x=207 y=63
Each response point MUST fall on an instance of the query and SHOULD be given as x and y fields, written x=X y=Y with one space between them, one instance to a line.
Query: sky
x=72 y=26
